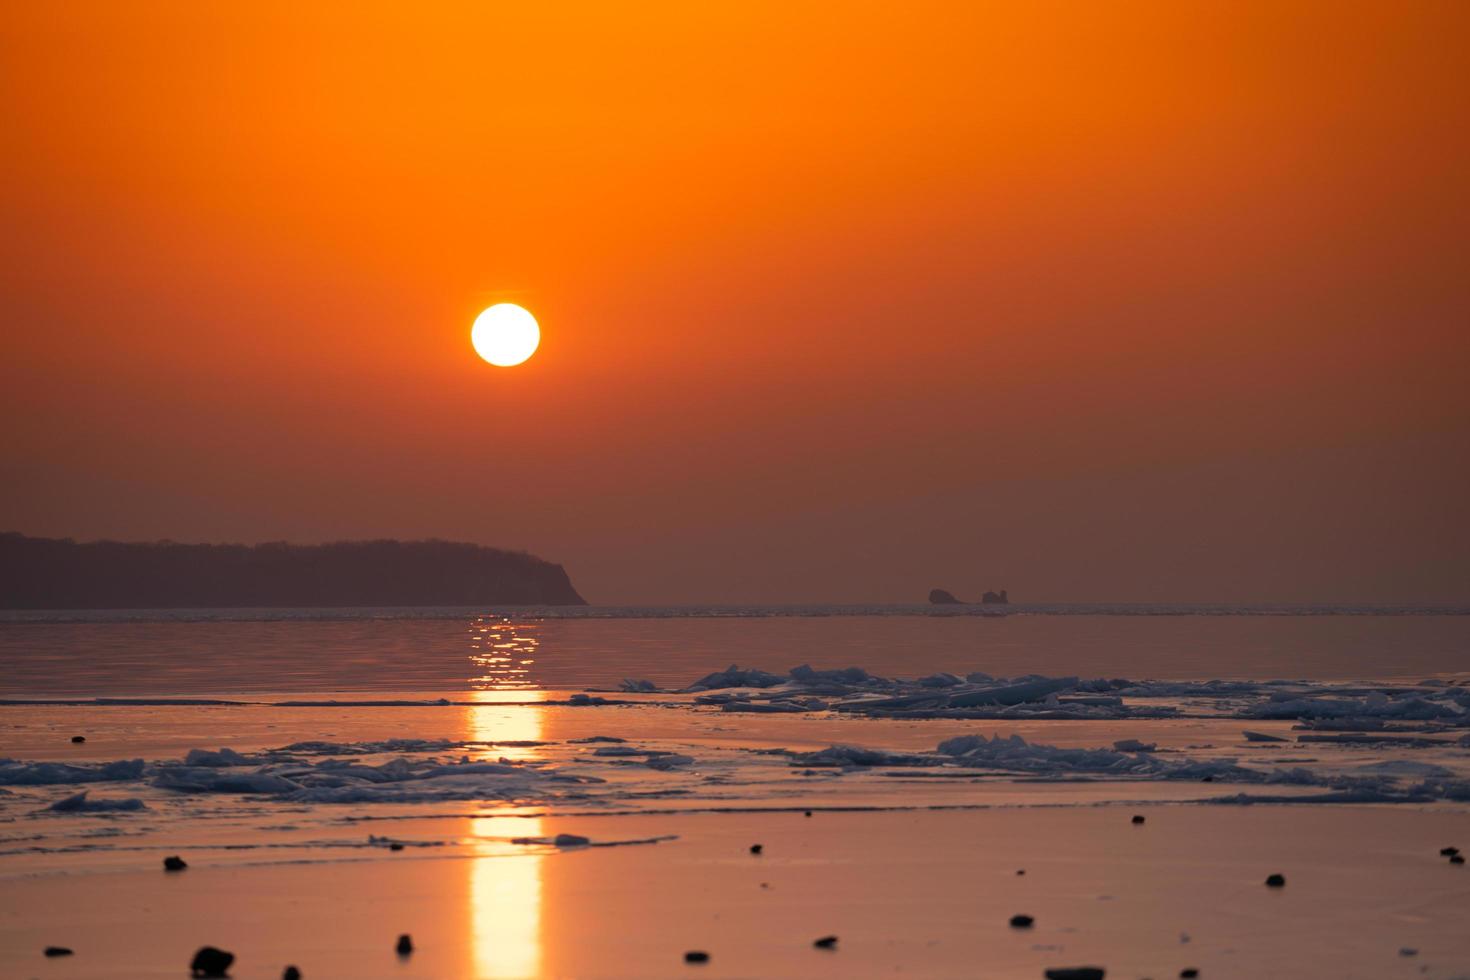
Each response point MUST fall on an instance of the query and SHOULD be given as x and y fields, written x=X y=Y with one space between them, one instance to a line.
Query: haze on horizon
x=1137 y=301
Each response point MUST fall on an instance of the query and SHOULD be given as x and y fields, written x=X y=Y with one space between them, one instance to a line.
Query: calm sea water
x=169 y=652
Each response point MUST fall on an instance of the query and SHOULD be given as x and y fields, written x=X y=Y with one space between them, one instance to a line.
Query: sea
x=140 y=653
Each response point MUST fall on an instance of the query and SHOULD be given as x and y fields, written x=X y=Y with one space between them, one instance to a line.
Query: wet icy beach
x=927 y=796
x=522 y=824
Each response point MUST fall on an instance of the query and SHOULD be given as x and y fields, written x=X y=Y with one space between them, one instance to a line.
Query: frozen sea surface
x=579 y=797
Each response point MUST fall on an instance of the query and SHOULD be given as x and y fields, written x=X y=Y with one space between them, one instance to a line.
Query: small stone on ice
x=1408 y=951
x=696 y=956
x=211 y=962
x=1276 y=881
x=174 y=863
x=1138 y=818
x=808 y=813
x=570 y=840
x=1449 y=851
x=756 y=848
x=826 y=942
x=404 y=945
x=1188 y=973
x=78 y=739
x=1457 y=859
x=57 y=951
x=291 y=974
x=1020 y=871
x=1022 y=921
x=1076 y=973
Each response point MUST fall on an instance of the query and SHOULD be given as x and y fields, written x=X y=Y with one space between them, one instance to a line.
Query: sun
x=505 y=335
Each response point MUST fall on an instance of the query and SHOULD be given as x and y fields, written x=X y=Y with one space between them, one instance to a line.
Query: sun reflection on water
x=505 y=893
x=503 y=651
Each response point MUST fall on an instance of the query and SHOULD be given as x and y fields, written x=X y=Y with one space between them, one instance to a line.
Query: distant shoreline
x=62 y=574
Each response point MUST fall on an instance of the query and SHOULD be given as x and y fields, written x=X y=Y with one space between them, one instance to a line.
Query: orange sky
x=839 y=302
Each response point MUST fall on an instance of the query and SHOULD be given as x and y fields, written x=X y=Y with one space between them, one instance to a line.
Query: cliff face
x=48 y=573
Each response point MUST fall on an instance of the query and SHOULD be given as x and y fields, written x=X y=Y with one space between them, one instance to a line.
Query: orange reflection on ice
x=504 y=891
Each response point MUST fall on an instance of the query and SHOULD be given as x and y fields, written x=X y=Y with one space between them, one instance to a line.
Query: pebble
x=808 y=813
x=826 y=942
x=1276 y=881
x=174 y=863
x=1076 y=973
x=1022 y=922
x=1020 y=871
x=1138 y=818
x=78 y=739
x=57 y=951
x=404 y=945
x=756 y=848
x=1408 y=951
x=291 y=974
x=696 y=956
x=1457 y=859
x=1448 y=852
x=1188 y=973
x=210 y=962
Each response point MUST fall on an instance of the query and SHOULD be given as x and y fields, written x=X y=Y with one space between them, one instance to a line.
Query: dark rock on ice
x=174 y=863
x=808 y=813
x=395 y=846
x=1139 y=818
x=756 y=848
x=1076 y=973
x=404 y=946
x=570 y=840
x=1022 y=922
x=1457 y=859
x=696 y=956
x=211 y=962
x=78 y=739
x=1276 y=881
x=57 y=951
x=291 y=974
x=1188 y=973
x=1251 y=736
x=826 y=942
x=1449 y=851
